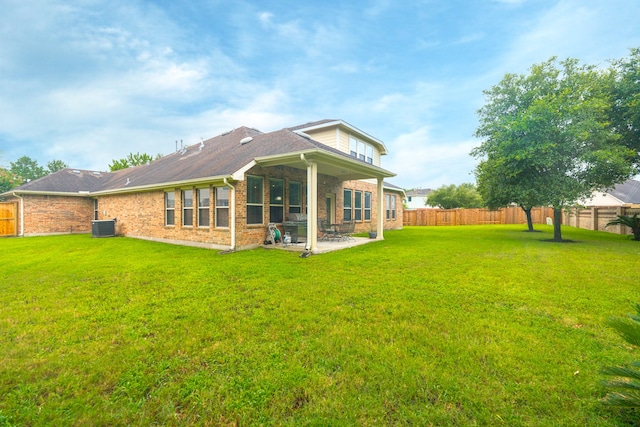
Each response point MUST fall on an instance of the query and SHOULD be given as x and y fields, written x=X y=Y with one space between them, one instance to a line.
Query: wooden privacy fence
x=510 y=215
x=8 y=223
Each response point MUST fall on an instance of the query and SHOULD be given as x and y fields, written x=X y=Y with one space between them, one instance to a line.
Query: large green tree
x=625 y=111
x=8 y=180
x=499 y=188
x=27 y=169
x=452 y=196
x=549 y=132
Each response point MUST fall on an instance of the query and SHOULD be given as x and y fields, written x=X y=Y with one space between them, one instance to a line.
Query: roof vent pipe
x=246 y=140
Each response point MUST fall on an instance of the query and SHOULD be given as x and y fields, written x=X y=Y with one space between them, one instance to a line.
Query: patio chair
x=325 y=229
x=346 y=229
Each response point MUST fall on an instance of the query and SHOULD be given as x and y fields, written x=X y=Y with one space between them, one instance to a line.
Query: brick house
x=221 y=193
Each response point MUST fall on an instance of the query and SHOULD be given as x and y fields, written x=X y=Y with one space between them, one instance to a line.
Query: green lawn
x=433 y=326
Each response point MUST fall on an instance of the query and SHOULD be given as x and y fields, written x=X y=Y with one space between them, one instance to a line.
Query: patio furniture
x=346 y=229
x=327 y=232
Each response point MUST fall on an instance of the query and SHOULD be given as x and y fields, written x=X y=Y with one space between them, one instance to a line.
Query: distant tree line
x=26 y=169
x=455 y=196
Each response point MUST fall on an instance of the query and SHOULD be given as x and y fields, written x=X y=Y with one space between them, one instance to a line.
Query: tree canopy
x=26 y=169
x=56 y=165
x=132 y=159
x=625 y=111
x=548 y=138
x=452 y=196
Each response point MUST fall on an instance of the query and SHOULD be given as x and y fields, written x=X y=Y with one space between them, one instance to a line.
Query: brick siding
x=142 y=215
x=56 y=215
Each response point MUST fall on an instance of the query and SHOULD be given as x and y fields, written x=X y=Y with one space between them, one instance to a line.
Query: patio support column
x=232 y=213
x=312 y=205
x=380 y=209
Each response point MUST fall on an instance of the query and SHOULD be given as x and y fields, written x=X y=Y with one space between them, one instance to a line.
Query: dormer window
x=361 y=150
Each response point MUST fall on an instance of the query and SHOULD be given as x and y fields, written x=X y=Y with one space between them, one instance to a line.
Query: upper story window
x=361 y=150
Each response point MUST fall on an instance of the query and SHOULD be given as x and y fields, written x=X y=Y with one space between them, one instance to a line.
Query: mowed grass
x=433 y=326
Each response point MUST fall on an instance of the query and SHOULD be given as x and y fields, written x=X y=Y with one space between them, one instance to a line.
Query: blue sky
x=89 y=81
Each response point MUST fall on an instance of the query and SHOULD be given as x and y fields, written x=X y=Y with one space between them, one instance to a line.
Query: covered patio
x=323 y=163
x=323 y=246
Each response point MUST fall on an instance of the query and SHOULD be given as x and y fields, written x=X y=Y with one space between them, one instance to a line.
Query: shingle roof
x=66 y=181
x=419 y=192
x=312 y=124
x=220 y=157
x=627 y=192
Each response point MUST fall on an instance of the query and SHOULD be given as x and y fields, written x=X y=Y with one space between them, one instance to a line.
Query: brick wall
x=597 y=217
x=142 y=215
x=56 y=215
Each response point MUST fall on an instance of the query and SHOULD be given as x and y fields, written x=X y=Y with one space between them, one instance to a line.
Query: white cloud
x=421 y=161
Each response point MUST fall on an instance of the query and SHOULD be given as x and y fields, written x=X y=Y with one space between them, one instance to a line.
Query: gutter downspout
x=232 y=212
x=312 y=203
x=21 y=214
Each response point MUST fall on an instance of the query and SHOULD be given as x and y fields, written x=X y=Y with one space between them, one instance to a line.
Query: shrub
x=625 y=384
x=631 y=221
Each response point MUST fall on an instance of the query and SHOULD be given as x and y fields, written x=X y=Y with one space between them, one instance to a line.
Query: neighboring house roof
x=627 y=192
x=418 y=192
x=226 y=156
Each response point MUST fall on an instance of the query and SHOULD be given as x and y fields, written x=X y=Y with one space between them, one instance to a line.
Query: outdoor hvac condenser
x=103 y=228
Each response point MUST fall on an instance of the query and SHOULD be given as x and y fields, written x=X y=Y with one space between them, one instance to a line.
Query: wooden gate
x=8 y=223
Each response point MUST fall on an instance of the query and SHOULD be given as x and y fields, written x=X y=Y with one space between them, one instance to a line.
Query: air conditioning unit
x=103 y=228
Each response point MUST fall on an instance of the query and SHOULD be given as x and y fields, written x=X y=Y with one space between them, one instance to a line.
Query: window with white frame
x=169 y=208
x=390 y=210
x=222 y=207
x=255 y=199
x=276 y=200
x=203 y=207
x=357 y=205
x=347 y=206
x=187 y=208
x=360 y=150
x=367 y=206
x=95 y=209
x=295 y=197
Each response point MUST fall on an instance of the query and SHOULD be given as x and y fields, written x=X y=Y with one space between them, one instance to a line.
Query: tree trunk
x=557 y=222
x=527 y=212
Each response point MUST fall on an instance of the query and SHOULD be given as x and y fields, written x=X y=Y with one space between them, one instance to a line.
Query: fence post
x=594 y=218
